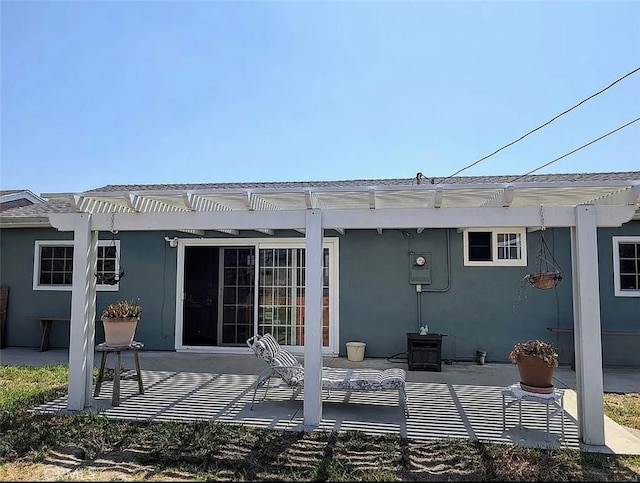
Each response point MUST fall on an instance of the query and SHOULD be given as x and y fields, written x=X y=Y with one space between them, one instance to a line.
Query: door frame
x=256 y=243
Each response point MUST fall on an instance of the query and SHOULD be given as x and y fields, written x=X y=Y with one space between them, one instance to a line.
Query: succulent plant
x=123 y=309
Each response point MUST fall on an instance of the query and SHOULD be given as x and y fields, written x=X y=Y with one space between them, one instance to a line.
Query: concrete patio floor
x=462 y=401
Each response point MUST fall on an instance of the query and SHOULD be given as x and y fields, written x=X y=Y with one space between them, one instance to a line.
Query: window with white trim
x=495 y=247
x=626 y=266
x=53 y=264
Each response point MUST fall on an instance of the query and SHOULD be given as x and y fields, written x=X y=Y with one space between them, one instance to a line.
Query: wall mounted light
x=173 y=242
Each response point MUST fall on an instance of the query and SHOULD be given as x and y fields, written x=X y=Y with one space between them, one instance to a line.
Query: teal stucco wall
x=479 y=308
x=150 y=266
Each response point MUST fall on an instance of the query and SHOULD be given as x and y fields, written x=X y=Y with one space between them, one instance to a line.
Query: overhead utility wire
x=575 y=150
x=541 y=126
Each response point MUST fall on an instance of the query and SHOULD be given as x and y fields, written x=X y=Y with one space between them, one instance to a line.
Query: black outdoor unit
x=424 y=352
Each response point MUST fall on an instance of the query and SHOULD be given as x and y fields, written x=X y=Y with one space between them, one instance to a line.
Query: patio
x=462 y=401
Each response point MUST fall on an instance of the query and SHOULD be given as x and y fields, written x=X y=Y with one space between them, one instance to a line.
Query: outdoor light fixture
x=173 y=242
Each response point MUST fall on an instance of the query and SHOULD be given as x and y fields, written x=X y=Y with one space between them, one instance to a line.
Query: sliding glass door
x=236 y=304
x=231 y=292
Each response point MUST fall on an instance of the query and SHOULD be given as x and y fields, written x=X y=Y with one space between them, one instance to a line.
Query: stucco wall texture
x=478 y=308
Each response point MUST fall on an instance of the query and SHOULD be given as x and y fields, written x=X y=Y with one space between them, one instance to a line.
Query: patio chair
x=284 y=365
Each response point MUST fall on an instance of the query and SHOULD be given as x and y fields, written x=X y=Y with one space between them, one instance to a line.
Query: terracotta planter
x=535 y=372
x=545 y=280
x=119 y=331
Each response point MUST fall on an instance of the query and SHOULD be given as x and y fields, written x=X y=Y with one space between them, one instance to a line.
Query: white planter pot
x=119 y=332
x=355 y=351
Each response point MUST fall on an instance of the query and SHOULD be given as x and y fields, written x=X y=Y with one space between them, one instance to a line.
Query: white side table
x=554 y=403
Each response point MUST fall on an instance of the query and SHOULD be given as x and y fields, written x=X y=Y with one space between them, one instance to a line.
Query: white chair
x=284 y=365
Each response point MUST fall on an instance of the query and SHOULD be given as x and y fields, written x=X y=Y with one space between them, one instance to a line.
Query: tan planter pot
x=535 y=372
x=545 y=280
x=119 y=332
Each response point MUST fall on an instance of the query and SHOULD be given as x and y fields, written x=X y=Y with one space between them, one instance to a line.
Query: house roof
x=10 y=199
x=9 y=192
x=534 y=178
x=571 y=189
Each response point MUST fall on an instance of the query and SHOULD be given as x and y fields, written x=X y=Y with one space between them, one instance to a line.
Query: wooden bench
x=569 y=330
x=46 y=322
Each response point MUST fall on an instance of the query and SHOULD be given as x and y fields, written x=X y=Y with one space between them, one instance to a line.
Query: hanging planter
x=544 y=280
x=548 y=273
x=111 y=277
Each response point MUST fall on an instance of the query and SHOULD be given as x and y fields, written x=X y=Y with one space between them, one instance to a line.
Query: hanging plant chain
x=112 y=278
x=549 y=272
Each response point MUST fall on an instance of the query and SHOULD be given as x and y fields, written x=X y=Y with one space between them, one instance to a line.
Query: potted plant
x=120 y=320
x=536 y=360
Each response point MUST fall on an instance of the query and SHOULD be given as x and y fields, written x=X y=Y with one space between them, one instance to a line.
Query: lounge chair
x=284 y=365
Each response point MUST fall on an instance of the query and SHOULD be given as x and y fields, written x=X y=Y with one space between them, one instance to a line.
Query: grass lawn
x=88 y=447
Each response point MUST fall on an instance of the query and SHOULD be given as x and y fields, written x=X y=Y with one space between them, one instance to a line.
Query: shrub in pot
x=120 y=320
x=536 y=360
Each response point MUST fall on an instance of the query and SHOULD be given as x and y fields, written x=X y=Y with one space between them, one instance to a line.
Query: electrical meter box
x=420 y=268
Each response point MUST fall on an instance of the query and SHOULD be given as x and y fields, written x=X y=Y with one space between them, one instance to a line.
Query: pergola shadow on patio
x=437 y=409
x=464 y=400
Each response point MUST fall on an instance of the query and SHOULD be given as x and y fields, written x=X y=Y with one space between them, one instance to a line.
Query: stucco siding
x=479 y=308
x=485 y=308
x=617 y=313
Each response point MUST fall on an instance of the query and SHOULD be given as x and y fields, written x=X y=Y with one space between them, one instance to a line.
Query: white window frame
x=617 y=240
x=69 y=243
x=495 y=262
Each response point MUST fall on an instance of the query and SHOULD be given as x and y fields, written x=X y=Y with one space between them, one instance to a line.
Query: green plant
x=536 y=348
x=123 y=309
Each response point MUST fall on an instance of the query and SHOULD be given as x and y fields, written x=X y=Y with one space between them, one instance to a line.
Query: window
x=281 y=292
x=53 y=264
x=495 y=247
x=626 y=266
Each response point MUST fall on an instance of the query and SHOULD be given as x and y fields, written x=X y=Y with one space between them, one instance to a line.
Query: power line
x=575 y=150
x=542 y=125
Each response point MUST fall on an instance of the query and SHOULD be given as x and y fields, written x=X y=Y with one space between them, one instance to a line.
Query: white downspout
x=83 y=313
x=587 y=329
x=313 y=319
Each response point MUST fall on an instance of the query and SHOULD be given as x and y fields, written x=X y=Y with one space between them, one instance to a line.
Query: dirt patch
x=69 y=464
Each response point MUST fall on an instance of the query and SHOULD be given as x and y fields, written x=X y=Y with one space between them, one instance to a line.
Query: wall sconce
x=173 y=242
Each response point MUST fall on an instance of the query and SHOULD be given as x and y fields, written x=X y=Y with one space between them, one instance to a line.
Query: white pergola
x=582 y=206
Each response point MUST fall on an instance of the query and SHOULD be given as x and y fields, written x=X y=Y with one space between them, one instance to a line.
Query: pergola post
x=313 y=319
x=586 y=321
x=83 y=313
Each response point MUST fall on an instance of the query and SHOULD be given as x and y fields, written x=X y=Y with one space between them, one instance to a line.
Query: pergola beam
x=507 y=196
x=437 y=202
x=606 y=216
x=372 y=199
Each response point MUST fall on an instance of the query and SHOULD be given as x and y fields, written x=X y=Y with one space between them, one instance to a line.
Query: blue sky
x=97 y=93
